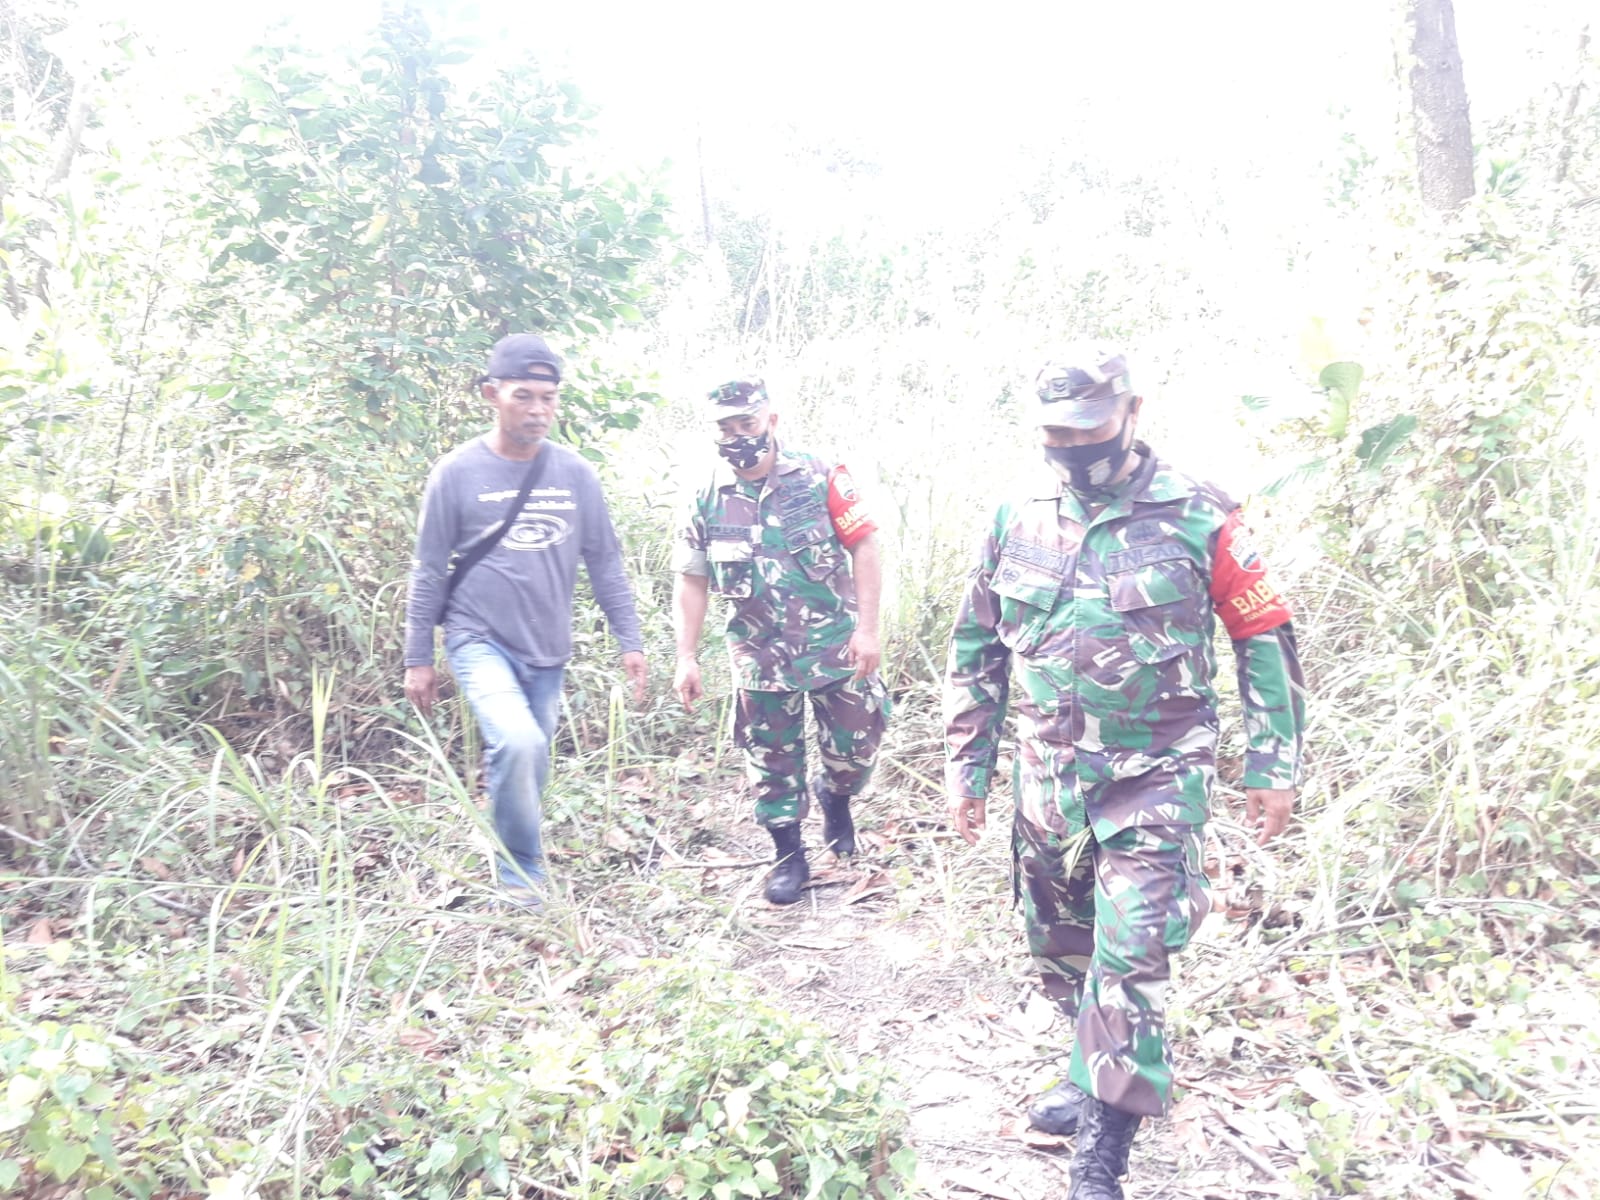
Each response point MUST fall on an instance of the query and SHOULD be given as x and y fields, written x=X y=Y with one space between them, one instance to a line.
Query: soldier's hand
x=969 y=814
x=864 y=653
x=1267 y=811
x=686 y=682
x=633 y=664
x=422 y=688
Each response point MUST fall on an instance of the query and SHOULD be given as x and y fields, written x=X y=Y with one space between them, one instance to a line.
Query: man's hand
x=422 y=688
x=864 y=653
x=969 y=814
x=1267 y=811
x=633 y=664
x=686 y=681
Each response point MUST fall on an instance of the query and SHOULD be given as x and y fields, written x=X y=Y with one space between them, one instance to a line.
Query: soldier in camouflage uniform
x=783 y=537
x=1100 y=587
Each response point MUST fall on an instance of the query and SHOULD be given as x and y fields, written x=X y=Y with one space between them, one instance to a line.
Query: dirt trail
x=875 y=956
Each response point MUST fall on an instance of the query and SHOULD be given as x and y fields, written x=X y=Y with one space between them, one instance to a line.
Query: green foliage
x=726 y=1095
x=78 y=1108
x=225 y=370
x=677 y=1081
x=1342 y=381
x=693 y=1089
x=372 y=229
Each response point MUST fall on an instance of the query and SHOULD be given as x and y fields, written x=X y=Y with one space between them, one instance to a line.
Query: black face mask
x=744 y=452
x=1089 y=470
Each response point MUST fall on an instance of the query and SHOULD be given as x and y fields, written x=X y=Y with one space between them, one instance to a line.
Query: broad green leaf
x=440 y=1156
x=1342 y=380
x=63 y=1159
x=1303 y=474
x=1379 y=442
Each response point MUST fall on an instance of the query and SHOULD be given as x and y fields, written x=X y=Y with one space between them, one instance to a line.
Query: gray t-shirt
x=520 y=593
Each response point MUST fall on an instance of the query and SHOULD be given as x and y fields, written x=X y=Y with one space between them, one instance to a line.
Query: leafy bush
x=677 y=1081
x=80 y=1106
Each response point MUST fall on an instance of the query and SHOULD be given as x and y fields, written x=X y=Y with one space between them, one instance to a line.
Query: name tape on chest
x=1035 y=555
x=1142 y=556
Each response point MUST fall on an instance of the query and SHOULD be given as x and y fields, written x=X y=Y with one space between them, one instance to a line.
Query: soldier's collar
x=1163 y=484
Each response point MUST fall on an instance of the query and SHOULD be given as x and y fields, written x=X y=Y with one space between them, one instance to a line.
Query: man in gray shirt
x=508 y=619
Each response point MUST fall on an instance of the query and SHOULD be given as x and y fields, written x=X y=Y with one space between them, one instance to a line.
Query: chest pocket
x=809 y=537
x=1028 y=594
x=1163 y=608
x=732 y=564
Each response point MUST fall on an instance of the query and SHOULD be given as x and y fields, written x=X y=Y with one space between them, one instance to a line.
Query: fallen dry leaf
x=815 y=942
x=40 y=933
x=1315 y=1083
x=876 y=884
x=796 y=973
x=984 y=1185
x=1218 y=1041
x=1444 y=1104
x=1272 y=1128
x=570 y=980
x=156 y=867
x=432 y=1001
x=1189 y=1119
x=420 y=1040
x=1035 y=1016
x=1029 y=1136
x=1499 y=1173
x=619 y=839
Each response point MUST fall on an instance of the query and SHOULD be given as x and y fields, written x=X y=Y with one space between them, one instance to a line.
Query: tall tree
x=1439 y=107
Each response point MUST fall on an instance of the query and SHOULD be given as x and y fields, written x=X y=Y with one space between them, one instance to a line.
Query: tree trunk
x=1439 y=106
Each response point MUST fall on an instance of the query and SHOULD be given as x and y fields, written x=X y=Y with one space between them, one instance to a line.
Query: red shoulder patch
x=851 y=520
x=1240 y=590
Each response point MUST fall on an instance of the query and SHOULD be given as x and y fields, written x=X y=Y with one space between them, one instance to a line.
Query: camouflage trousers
x=1104 y=920
x=770 y=728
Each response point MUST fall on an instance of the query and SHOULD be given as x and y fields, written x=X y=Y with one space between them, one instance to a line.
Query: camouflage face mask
x=1090 y=469
x=744 y=452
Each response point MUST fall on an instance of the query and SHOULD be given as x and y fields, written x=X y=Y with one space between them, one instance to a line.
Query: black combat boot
x=838 y=829
x=1101 y=1159
x=1057 y=1110
x=791 y=873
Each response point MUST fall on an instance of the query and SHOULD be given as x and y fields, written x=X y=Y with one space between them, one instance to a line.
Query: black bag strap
x=474 y=553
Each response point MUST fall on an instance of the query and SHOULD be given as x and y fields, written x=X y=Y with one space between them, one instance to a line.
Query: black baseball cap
x=522 y=356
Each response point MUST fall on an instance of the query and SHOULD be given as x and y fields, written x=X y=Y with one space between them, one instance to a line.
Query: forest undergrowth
x=247 y=943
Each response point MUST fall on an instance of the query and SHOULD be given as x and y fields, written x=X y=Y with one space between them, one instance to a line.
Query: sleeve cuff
x=688 y=561
x=965 y=779
x=1271 y=775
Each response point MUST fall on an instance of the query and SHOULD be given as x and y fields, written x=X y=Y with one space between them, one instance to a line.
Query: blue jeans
x=516 y=706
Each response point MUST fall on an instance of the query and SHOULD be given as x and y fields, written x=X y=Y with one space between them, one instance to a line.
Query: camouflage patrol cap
x=1081 y=387
x=736 y=398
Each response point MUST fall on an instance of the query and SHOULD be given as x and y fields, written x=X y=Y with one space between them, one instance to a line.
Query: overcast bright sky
x=942 y=99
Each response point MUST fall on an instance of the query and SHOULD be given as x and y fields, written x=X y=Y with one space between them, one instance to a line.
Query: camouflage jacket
x=773 y=552
x=1107 y=617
